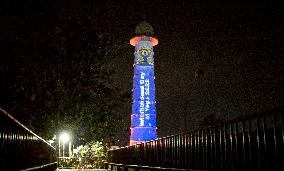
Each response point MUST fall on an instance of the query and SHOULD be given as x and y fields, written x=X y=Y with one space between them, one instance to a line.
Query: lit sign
x=143 y=106
x=143 y=119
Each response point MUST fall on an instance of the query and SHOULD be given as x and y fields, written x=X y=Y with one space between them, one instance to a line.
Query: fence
x=21 y=149
x=251 y=142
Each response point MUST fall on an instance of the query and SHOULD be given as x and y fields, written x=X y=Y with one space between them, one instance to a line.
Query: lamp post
x=59 y=148
x=197 y=75
x=64 y=138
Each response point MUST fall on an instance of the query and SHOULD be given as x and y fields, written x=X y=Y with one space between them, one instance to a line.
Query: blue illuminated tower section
x=143 y=117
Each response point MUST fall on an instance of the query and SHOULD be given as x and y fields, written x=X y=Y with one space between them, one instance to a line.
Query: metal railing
x=21 y=149
x=251 y=142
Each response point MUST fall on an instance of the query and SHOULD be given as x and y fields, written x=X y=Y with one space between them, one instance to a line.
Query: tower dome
x=144 y=28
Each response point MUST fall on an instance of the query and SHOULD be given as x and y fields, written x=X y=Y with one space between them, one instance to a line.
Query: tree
x=93 y=153
x=57 y=65
x=210 y=120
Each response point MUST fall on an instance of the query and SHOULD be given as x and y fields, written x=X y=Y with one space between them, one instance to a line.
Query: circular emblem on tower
x=145 y=56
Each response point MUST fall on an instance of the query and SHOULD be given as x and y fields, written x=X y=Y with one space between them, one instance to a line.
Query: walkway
x=81 y=169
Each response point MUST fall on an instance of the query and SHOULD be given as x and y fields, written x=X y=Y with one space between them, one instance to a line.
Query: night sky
x=237 y=45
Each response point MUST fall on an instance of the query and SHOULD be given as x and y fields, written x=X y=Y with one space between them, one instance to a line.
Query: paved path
x=81 y=169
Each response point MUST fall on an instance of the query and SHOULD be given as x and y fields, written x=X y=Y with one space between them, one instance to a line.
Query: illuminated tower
x=143 y=117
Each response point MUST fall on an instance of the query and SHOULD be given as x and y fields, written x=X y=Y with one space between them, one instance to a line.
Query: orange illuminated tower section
x=143 y=117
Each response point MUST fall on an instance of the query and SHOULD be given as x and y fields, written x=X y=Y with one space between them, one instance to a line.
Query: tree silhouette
x=55 y=67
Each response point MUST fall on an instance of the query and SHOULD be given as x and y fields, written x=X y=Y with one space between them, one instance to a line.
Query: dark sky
x=238 y=46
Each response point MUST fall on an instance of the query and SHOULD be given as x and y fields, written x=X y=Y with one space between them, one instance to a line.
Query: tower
x=143 y=117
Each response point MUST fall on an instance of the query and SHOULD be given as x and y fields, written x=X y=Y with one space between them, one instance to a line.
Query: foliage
x=56 y=71
x=92 y=154
x=210 y=120
x=93 y=149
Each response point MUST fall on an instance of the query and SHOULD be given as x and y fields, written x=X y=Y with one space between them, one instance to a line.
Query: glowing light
x=154 y=41
x=64 y=137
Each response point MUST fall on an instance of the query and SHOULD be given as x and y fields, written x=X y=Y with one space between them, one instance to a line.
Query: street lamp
x=64 y=137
